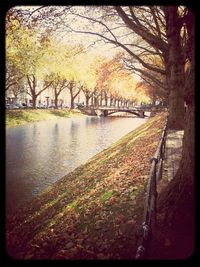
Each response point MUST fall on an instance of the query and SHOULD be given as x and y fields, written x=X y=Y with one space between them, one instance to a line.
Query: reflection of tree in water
x=73 y=136
x=55 y=132
x=34 y=131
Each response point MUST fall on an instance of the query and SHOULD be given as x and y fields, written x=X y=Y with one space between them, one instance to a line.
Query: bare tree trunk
x=34 y=97
x=92 y=100
x=176 y=202
x=72 y=94
x=72 y=103
x=111 y=101
x=96 y=101
x=101 y=98
x=175 y=69
x=87 y=100
x=33 y=85
x=115 y=101
x=56 y=100
x=106 y=99
x=71 y=97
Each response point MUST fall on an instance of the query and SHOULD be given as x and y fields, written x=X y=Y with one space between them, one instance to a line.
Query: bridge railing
x=149 y=216
x=115 y=107
x=137 y=107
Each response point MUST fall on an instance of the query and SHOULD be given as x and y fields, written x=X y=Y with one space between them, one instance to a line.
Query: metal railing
x=149 y=217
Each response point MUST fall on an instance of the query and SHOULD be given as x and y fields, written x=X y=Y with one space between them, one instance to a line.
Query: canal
x=38 y=154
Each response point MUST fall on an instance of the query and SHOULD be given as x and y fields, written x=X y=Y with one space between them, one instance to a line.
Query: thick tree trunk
x=106 y=99
x=87 y=100
x=87 y=97
x=73 y=94
x=111 y=101
x=34 y=97
x=176 y=109
x=125 y=103
x=92 y=100
x=185 y=175
x=56 y=100
x=175 y=69
x=71 y=98
x=101 y=99
x=72 y=103
x=176 y=205
x=114 y=102
x=96 y=101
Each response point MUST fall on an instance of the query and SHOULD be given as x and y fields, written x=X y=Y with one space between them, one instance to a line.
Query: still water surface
x=38 y=154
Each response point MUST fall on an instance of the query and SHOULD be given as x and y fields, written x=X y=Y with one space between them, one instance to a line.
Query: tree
x=88 y=73
x=109 y=69
x=58 y=84
x=74 y=91
x=33 y=88
x=13 y=76
x=153 y=83
x=88 y=94
x=156 y=91
x=181 y=190
x=26 y=56
x=35 y=71
x=175 y=67
x=72 y=71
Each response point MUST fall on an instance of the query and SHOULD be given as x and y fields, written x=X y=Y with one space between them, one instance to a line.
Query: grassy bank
x=22 y=116
x=93 y=212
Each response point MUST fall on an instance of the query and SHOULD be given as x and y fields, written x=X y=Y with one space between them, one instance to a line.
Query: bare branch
x=153 y=40
x=156 y=21
x=35 y=11
x=145 y=73
x=97 y=21
x=161 y=71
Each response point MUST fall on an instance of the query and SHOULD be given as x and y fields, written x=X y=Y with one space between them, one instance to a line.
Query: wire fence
x=150 y=212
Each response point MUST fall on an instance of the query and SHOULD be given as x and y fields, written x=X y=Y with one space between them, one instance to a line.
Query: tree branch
x=156 y=21
x=161 y=71
x=97 y=21
x=153 y=40
x=145 y=73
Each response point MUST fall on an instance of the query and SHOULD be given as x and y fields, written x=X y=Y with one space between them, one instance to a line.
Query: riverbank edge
x=23 y=116
x=106 y=185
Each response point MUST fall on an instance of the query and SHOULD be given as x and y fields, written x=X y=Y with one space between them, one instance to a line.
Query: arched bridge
x=106 y=111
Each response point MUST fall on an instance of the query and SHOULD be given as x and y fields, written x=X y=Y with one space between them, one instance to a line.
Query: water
x=38 y=154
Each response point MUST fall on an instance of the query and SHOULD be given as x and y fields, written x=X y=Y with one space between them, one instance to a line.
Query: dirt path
x=173 y=152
